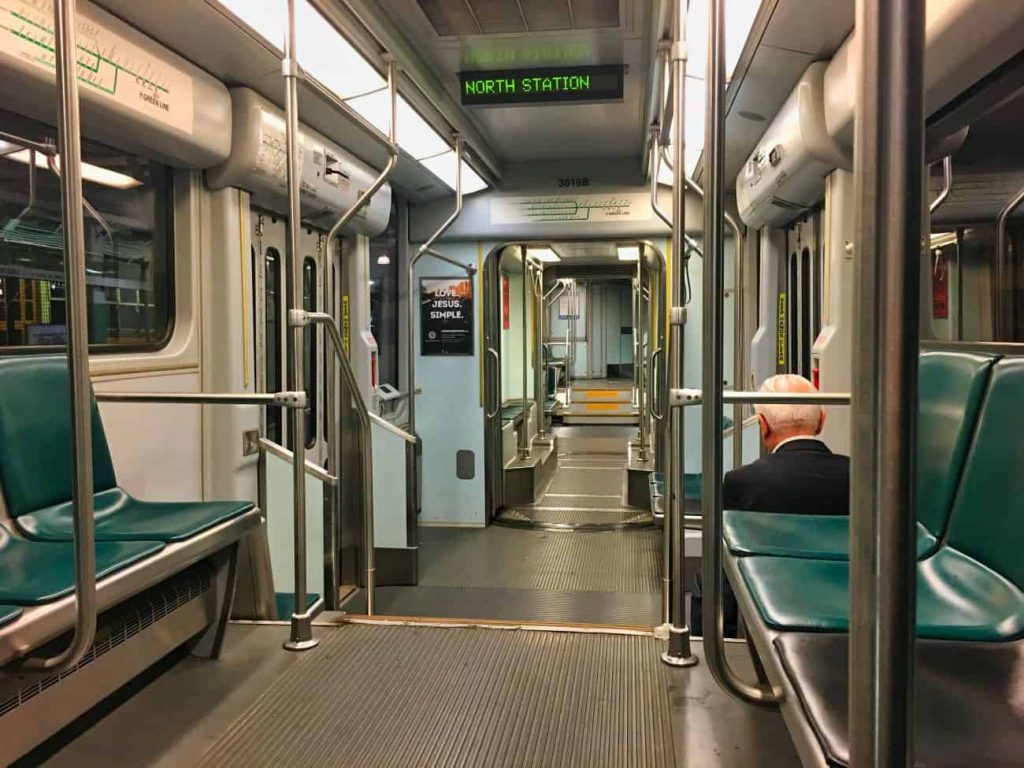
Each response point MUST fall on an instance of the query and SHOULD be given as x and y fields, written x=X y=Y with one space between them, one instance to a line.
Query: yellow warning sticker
x=780 y=342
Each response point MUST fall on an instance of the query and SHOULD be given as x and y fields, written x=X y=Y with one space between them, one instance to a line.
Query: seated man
x=800 y=475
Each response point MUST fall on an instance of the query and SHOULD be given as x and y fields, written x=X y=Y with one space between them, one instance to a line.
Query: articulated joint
x=290 y=399
x=677 y=316
x=679 y=52
x=298 y=318
x=290 y=67
x=686 y=396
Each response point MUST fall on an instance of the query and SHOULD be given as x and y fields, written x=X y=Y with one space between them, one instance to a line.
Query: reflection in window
x=384 y=300
x=272 y=316
x=127 y=242
x=309 y=348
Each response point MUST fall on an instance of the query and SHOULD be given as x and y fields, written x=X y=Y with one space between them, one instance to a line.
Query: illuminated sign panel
x=542 y=86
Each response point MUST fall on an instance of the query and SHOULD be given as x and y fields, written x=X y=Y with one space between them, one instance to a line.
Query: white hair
x=790 y=417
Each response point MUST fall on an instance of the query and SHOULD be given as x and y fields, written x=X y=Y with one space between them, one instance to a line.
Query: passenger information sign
x=446 y=316
x=542 y=86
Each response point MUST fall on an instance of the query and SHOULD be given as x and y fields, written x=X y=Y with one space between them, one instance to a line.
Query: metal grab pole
x=540 y=388
x=73 y=224
x=1004 y=308
x=523 y=448
x=889 y=195
x=947 y=184
x=679 y=652
x=366 y=448
x=714 y=336
x=301 y=635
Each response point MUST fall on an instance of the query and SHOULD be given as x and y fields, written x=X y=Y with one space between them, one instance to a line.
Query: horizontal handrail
x=282 y=399
x=389 y=427
x=312 y=469
x=683 y=397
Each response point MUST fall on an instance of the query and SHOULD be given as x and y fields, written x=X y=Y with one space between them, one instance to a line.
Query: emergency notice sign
x=446 y=316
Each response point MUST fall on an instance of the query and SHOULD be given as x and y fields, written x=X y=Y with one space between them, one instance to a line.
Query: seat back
x=35 y=435
x=987 y=522
x=951 y=387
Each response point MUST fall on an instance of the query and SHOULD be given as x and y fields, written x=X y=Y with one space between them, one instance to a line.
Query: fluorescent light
x=628 y=252
x=383 y=260
x=545 y=255
x=443 y=166
x=91 y=173
x=327 y=56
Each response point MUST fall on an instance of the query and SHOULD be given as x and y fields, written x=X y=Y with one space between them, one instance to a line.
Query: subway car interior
x=371 y=370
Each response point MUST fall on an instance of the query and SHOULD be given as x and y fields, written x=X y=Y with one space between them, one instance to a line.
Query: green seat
x=36 y=467
x=958 y=598
x=691 y=485
x=817 y=537
x=34 y=572
x=951 y=387
x=9 y=613
x=972 y=587
x=511 y=412
x=119 y=517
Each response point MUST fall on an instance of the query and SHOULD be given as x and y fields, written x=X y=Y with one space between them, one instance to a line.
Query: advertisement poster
x=446 y=316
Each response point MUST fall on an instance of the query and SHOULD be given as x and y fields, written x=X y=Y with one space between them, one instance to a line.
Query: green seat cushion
x=817 y=537
x=511 y=412
x=119 y=517
x=35 y=435
x=33 y=572
x=987 y=522
x=958 y=598
x=9 y=613
x=951 y=386
x=691 y=485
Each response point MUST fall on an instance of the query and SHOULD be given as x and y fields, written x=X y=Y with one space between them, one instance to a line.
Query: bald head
x=782 y=422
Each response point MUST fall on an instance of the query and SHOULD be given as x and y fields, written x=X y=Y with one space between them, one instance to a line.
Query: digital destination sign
x=542 y=86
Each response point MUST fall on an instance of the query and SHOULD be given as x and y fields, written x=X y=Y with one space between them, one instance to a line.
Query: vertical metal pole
x=332 y=497
x=301 y=636
x=524 y=428
x=678 y=653
x=889 y=176
x=714 y=336
x=540 y=389
x=73 y=226
x=640 y=362
x=738 y=350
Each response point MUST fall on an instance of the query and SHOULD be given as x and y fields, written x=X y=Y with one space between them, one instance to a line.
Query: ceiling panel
x=816 y=27
x=450 y=18
x=547 y=15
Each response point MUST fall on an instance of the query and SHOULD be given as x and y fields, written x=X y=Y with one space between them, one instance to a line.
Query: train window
x=272 y=317
x=128 y=246
x=384 y=300
x=310 y=351
x=968 y=289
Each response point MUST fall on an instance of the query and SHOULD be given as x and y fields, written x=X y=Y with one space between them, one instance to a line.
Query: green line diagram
x=569 y=209
x=88 y=59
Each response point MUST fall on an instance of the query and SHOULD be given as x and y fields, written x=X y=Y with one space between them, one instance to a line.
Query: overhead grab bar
x=283 y=399
x=714 y=336
x=69 y=141
x=947 y=184
x=393 y=154
x=1003 y=307
x=412 y=303
x=366 y=443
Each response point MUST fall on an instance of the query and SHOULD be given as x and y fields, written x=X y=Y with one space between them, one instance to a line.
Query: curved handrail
x=69 y=142
x=947 y=184
x=393 y=154
x=497 y=362
x=713 y=332
x=394 y=429
x=366 y=445
x=1001 y=260
x=659 y=415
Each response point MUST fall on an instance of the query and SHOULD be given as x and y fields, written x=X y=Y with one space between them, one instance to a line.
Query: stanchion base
x=679 y=653
x=301 y=636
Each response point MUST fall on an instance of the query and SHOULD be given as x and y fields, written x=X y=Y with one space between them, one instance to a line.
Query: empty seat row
x=791 y=574
x=36 y=550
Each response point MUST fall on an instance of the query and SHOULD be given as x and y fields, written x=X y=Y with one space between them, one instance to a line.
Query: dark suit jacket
x=802 y=477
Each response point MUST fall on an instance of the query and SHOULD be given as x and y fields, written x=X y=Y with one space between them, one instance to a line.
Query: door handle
x=497 y=360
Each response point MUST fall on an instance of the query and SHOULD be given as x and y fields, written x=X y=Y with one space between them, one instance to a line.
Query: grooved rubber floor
x=567 y=561
x=418 y=696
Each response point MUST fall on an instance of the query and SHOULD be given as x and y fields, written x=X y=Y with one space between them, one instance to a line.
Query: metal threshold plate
x=419 y=696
